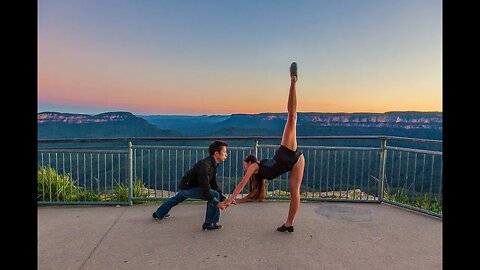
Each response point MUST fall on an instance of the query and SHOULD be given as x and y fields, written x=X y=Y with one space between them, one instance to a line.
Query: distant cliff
x=406 y=120
x=111 y=124
x=407 y=123
x=70 y=118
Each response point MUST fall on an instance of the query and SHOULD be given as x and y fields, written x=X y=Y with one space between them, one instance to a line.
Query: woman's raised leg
x=289 y=138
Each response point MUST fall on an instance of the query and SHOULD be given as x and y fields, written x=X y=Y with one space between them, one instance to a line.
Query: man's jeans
x=213 y=212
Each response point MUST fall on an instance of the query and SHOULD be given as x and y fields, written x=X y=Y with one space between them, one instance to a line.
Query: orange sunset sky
x=225 y=57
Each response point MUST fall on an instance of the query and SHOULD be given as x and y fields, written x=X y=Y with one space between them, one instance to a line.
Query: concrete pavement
x=328 y=235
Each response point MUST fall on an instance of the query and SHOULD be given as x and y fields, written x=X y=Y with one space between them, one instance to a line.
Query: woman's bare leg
x=289 y=138
x=296 y=176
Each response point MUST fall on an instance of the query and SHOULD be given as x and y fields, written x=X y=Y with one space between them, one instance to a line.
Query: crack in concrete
x=101 y=239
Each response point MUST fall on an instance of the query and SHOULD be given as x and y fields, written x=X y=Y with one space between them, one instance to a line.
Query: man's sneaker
x=293 y=69
x=154 y=215
x=211 y=226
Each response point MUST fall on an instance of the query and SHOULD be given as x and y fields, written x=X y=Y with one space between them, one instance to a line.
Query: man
x=200 y=183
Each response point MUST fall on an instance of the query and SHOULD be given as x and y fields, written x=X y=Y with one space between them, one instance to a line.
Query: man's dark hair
x=216 y=146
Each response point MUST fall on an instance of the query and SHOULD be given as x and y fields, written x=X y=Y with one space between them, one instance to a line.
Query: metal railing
x=337 y=168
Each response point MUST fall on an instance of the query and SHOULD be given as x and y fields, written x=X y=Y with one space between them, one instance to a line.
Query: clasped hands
x=224 y=204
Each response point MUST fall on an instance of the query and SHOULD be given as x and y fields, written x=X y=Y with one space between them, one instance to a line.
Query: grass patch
x=422 y=201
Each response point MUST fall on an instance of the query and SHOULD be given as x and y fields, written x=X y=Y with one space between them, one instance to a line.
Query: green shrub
x=52 y=186
x=120 y=191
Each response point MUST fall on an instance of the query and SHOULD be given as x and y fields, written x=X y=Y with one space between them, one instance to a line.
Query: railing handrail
x=382 y=149
x=226 y=138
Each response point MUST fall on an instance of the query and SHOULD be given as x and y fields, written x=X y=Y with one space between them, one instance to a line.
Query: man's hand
x=222 y=205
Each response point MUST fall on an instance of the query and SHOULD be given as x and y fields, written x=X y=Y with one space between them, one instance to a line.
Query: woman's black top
x=282 y=162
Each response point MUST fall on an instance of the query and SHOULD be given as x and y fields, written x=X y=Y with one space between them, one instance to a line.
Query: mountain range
x=414 y=124
x=55 y=125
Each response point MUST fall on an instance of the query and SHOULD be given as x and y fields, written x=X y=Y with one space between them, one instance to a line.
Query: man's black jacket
x=203 y=175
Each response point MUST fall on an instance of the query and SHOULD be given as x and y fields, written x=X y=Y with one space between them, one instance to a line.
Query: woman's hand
x=222 y=205
x=226 y=203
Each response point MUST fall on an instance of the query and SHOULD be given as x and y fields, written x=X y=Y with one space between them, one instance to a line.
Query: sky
x=220 y=57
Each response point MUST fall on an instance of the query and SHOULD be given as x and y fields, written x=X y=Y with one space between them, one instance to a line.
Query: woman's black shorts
x=287 y=156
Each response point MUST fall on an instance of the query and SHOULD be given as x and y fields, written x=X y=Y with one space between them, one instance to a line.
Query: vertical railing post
x=383 y=163
x=130 y=173
x=255 y=148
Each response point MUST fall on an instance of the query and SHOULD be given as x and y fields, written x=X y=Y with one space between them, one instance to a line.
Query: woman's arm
x=251 y=170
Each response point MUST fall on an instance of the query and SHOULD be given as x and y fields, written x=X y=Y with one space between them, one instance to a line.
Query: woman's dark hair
x=256 y=189
x=216 y=146
x=251 y=159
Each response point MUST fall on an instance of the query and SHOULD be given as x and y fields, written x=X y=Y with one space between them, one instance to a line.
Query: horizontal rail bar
x=158 y=199
x=413 y=139
x=268 y=198
x=85 y=150
x=185 y=147
x=82 y=203
x=170 y=147
x=323 y=199
x=413 y=208
x=88 y=147
x=126 y=139
x=415 y=150
x=327 y=147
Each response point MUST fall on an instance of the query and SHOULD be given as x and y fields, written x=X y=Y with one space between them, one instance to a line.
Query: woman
x=287 y=159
